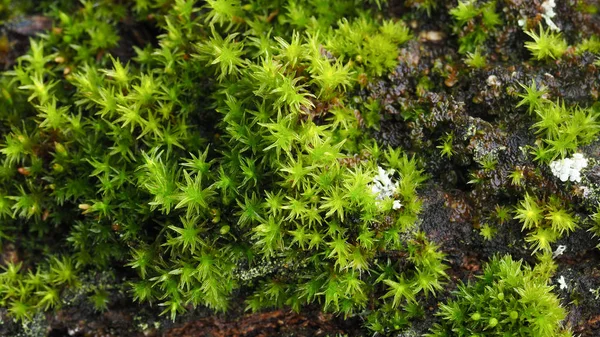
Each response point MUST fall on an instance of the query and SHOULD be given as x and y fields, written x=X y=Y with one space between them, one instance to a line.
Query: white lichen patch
x=559 y=251
x=569 y=168
x=383 y=187
x=549 y=13
x=562 y=283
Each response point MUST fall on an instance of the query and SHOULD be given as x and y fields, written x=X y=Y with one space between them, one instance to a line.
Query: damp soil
x=477 y=106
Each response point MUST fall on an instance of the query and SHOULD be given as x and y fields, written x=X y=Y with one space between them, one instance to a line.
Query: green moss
x=546 y=44
x=591 y=45
x=547 y=221
x=474 y=23
x=563 y=129
x=508 y=299
x=476 y=60
x=208 y=153
x=227 y=156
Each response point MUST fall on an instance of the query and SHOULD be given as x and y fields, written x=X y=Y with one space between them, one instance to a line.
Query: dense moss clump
x=228 y=155
x=507 y=300
x=228 y=147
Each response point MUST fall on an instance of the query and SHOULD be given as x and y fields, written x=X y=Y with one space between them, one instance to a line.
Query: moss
x=188 y=185
x=474 y=23
x=508 y=298
x=257 y=155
